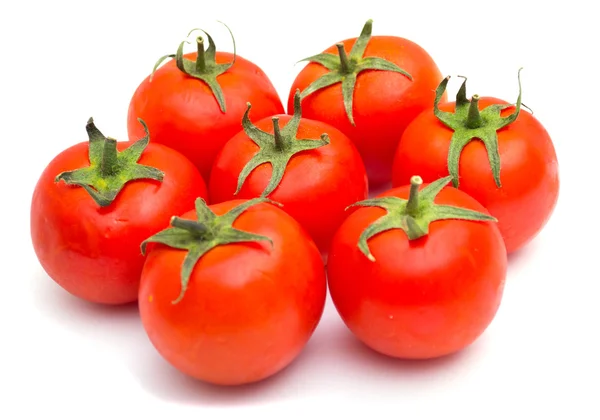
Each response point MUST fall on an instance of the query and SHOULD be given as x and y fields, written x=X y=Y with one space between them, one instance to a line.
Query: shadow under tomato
x=354 y=356
x=332 y=358
x=520 y=259
x=161 y=379
x=520 y=256
x=115 y=329
x=119 y=328
x=80 y=315
x=336 y=361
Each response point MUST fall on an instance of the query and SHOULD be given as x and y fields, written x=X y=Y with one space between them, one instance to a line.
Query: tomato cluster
x=226 y=219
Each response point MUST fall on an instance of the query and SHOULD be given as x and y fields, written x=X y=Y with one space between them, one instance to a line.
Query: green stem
x=109 y=161
x=345 y=68
x=474 y=119
x=183 y=235
x=279 y=140
x=344 y=61
x=110 y=169
x=200 y=59
x=277 y=148
x=412 y=206
x=192 y=226
x=403 y=214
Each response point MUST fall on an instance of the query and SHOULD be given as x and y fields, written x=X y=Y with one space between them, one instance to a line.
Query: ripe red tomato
x=313 y=169
x=370 y=93
x=232 y=292
x=96 y=202
x=195 y=102
x=512 y=171
x=418 y=278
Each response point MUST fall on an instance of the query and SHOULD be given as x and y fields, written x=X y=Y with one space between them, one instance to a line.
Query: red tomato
x=89 y=241
x=523 y=190
x=386 y=82
x=314 y=170
x=197 y=111
x=253 y=294
x=418 y=283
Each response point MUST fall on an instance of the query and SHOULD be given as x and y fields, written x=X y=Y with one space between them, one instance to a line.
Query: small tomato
x=195 y=102
x=370 y=93
x=512 y=169
x=96 y=201
x=310 y=167
x=418 y=274
x=231 y=293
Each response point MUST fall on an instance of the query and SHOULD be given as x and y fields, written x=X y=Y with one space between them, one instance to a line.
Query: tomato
x=370 y=93
x=195 y=102
x=418 y=274
x=512 y=171
x=310 y=167
x=96 y=202
x=231 y=293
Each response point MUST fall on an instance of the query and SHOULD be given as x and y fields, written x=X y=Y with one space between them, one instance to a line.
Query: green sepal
x=110 y=169
x=277 y=148
x=205 y=67
x=414 y=215
x=199 y=236
x=469 y=123
x=344 y=68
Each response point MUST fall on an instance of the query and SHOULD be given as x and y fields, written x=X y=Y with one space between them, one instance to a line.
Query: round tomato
x=498 y=154
x=313 y=169
x=231 y=293
x=370 y=93
x=96 y=202
x=418 y=274
x=195 y=102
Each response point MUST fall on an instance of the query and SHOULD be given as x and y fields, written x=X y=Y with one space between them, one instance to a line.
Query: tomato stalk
x=278 y=148
x=345 y=68
x=109 y=163
x=279 y=141
x=200 y=58
x=194 y=228
x=414 y=215
x=470 y=123
x=474 y=119
x=205 y=67
x=209 y=231
x=412 y=205
x=110 y=169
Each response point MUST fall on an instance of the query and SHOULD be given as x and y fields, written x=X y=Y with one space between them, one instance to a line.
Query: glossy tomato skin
x=317 y=185
x=420 y=299
x=182 y=112
x=384 y=102
x=528 y=171
x=93 y=252
x=248 y=310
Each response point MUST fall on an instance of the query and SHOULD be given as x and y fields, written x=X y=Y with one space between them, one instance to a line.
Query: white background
x=63 y=62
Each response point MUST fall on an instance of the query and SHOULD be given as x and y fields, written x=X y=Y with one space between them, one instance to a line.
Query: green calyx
x=277 y=148
x=414 y=215
x=205 y=67
x=110 y=169
x=344 y=68
x=469 y=122
x=207 y=232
